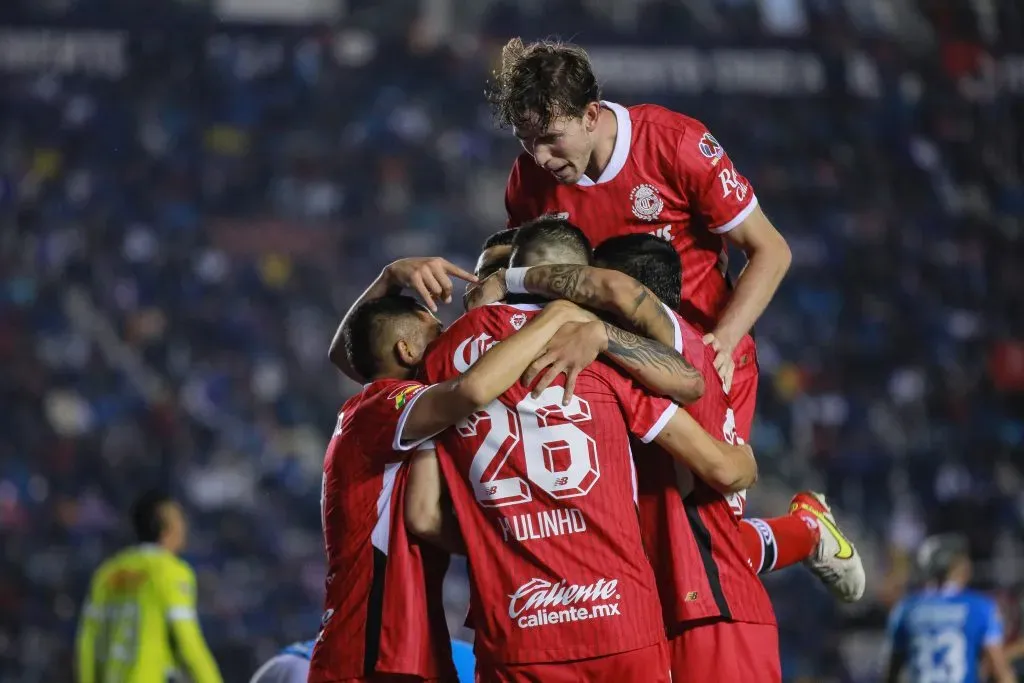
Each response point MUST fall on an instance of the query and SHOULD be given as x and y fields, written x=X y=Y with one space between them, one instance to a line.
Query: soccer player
x=718 y=616
x=384 y=618
x=543 y=490
x=429 y=277
x=465 y=662
x=290 y=665
x=944 y=631
x=614 y=170
x=139 y=623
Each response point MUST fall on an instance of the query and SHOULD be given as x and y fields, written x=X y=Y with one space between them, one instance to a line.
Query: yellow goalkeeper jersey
x=139 y=624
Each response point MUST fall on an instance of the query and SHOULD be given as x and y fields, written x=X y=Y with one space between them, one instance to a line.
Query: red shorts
x=726 y=651
x=647 y=665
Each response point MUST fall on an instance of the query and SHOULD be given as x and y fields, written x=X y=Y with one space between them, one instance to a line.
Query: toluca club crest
x=647 y=203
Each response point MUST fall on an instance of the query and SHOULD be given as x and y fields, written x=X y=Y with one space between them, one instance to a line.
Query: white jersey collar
x=519 y=307
x=620 y=152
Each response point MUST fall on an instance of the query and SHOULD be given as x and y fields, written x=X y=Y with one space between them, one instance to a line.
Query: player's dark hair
x=502 y=238
x=490 y=266
x=368 y=325
x=938 y=554
x=651 y=261
x=147 y=521
x=549 y=240
x=539 y=82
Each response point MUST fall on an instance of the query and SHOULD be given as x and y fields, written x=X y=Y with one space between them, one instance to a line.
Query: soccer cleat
x=834 y=561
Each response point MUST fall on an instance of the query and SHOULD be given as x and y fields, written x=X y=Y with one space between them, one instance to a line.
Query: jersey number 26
x=561 y=459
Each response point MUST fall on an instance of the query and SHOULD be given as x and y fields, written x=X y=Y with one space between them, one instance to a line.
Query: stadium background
x=192 y=193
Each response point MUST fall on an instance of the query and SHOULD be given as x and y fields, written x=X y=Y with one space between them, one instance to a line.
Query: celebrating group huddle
x=540 y=434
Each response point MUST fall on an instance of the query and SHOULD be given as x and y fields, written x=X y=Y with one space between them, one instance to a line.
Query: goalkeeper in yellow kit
x=139 y=623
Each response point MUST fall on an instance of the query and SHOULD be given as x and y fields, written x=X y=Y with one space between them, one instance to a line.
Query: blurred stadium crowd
x=188 y=206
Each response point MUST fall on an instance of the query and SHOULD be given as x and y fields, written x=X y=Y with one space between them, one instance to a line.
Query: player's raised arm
x=430 y=277
x=442 y=405
x=768 y=259
x=724 y=200
x=724 y=467
x=428 y=513
x=179 y=596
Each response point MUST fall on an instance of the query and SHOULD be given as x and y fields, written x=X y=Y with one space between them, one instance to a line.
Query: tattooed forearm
x=652 y=362
x=563 y=282
x=637 y=349
x=648 y=316
x=655 y=365
x=610 y=291
x=641 y=297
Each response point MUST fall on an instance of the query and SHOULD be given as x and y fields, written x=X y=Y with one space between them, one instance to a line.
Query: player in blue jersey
x=465 y=661
x=291 y=665
x=944 y=633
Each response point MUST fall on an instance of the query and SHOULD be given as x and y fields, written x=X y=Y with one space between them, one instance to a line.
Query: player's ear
x=591 y=115
x=407 y=353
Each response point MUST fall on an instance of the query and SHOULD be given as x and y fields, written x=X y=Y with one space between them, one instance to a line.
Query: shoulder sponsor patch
x=710 y=148
x=402 y=394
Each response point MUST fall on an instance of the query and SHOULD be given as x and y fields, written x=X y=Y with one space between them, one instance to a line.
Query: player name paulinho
x=544 y=524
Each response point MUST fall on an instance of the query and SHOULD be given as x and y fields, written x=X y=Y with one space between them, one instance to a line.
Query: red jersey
x=545 y=497
x=689 y=529
x=383 y=610
x=667 y=176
